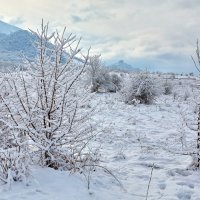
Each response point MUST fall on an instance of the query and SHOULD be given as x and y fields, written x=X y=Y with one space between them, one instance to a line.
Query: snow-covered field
x=132 y=140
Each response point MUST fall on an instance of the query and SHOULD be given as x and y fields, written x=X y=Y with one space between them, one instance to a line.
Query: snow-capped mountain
x=7 y=28
x=19 y=41
x=13 y=43
x=13 y=46
x=121 y=65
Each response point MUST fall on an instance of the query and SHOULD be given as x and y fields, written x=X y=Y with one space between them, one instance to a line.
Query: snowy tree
x=99 y=77
x=45 y=103
x=197 y=156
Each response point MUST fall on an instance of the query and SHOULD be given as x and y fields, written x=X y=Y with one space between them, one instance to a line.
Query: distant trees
x=100 y=78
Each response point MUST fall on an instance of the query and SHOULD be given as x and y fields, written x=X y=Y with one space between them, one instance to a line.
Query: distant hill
x=17 y=42
x=121 y=65
x=7 y=28
x=13 y=46
x=13 y=43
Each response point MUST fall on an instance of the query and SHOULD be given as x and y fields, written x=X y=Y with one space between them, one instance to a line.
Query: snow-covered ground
x=132 y=140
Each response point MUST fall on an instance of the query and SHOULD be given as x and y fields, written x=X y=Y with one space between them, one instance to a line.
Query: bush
x=167 y=88
x=140 y=89
x=116 y=80
x=13 y=165
x=101 y=80
x=14 y=159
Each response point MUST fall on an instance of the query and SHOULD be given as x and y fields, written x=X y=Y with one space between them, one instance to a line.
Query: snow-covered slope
x=7 y=28
x=19 y=41
x=13 y=46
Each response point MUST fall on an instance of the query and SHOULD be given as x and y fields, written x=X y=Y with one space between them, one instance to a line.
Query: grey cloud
x=90 y=13
x=188 y=4
x=170 y=56
x=17 y=21
x=93 y=12
x=76 y=18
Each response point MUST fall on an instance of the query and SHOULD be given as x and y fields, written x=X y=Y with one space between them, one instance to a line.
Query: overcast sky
x=153 y=34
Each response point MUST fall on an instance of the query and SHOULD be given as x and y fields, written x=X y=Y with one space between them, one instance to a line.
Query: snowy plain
x=131 y=140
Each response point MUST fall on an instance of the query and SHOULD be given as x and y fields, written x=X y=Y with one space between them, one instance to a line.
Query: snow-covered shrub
x=98 y=75
x=46 y=103
x=186 y=95
x=14 y=165
x=142 y=88
x=167 y=86
x=175 y=95
x=14 y=159
x=116 y=80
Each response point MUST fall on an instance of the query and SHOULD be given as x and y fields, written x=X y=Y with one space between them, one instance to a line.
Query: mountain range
x=121 y=65
x=7 y=28
x=15 y=42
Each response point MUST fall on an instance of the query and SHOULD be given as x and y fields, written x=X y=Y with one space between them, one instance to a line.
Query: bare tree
x=45 y=105
x=197 y=65
x=99 y=76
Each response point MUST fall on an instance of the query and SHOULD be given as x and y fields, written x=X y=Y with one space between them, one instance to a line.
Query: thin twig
x=149 y=182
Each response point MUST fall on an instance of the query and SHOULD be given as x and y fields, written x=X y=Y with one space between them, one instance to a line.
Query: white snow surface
x=133 y=139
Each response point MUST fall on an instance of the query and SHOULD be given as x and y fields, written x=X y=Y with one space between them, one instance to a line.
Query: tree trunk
x=198 y=140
